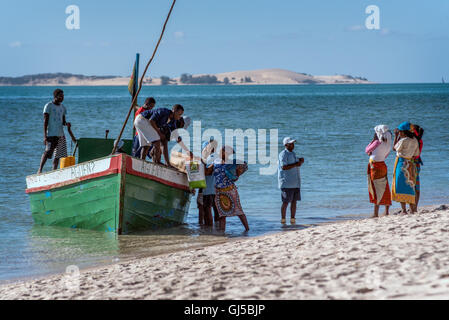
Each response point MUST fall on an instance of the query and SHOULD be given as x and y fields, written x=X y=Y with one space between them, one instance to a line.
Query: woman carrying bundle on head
x=378 y=187
x=404 y=176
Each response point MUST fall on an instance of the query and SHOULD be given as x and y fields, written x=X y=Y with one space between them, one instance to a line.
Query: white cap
x=288 y=140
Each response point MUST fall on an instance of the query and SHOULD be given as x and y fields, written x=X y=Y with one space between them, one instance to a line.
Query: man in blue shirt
x=289 y=178
x=148 y=126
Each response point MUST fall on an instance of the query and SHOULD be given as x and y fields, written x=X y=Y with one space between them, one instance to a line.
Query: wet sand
x=394 y=257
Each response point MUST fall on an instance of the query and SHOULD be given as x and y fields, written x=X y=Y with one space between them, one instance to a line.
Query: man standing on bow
x=54 y=139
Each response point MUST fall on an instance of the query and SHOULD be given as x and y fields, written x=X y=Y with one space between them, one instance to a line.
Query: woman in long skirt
x=404 y=175
x=418 y=132
x=227 y=197
x=378 y=187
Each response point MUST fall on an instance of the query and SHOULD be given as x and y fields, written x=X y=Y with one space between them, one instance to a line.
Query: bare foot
x=403 y=213
x=385 y=214
x=374 y=216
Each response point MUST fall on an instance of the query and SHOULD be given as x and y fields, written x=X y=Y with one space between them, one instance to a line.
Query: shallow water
x=332 y=123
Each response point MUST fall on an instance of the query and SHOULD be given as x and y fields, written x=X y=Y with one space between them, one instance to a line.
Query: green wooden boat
x=114 y=193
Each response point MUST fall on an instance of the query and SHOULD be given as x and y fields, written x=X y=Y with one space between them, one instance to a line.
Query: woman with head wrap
x=418 y=132
x=404 y=176
x=378 y=187
x=227 y=198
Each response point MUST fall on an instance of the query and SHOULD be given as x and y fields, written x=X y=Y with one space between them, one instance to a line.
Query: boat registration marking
x=67 y=174
x=159 y=172
x=82 y=169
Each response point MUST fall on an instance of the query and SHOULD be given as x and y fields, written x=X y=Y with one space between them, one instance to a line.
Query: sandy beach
x=394 y=257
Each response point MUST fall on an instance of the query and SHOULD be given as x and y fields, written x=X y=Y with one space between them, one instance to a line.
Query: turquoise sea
x=332 y=123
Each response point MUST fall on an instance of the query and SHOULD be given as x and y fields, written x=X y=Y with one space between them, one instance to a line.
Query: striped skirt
x=378 y=187
x=61 y=148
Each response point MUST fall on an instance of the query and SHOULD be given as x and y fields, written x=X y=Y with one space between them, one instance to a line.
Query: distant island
x=252 y=77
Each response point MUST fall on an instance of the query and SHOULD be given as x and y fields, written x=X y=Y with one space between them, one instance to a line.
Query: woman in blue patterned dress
x=227 y=198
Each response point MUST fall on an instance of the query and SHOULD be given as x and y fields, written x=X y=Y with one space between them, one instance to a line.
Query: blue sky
x=322 y=37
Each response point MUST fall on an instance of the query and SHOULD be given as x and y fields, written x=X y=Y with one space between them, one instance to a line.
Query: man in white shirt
x=289 y=179
x=54 y=140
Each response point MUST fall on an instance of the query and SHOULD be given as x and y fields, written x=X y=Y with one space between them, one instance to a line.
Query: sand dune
x=395 y=257
x=281 y=76
x=254 y=77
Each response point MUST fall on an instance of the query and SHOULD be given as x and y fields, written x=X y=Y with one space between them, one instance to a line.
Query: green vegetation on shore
x=42 y=77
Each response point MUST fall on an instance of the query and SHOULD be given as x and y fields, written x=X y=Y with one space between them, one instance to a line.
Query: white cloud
x=179 y=34
x=15 y=44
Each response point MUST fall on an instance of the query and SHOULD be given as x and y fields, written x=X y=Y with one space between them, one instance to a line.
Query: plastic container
x=195 y=174
x=67 y=162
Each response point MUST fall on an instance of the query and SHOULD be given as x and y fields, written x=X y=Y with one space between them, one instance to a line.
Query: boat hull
x=92 y=204
x=117 y=194
x=149 y=205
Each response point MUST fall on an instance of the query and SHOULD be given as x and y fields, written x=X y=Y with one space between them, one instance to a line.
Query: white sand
x=395 y=257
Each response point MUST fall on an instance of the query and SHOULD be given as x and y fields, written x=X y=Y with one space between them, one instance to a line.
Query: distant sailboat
x=442 y=80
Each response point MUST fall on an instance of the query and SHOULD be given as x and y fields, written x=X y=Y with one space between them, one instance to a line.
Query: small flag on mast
x=132 y=85
x=133 y=81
